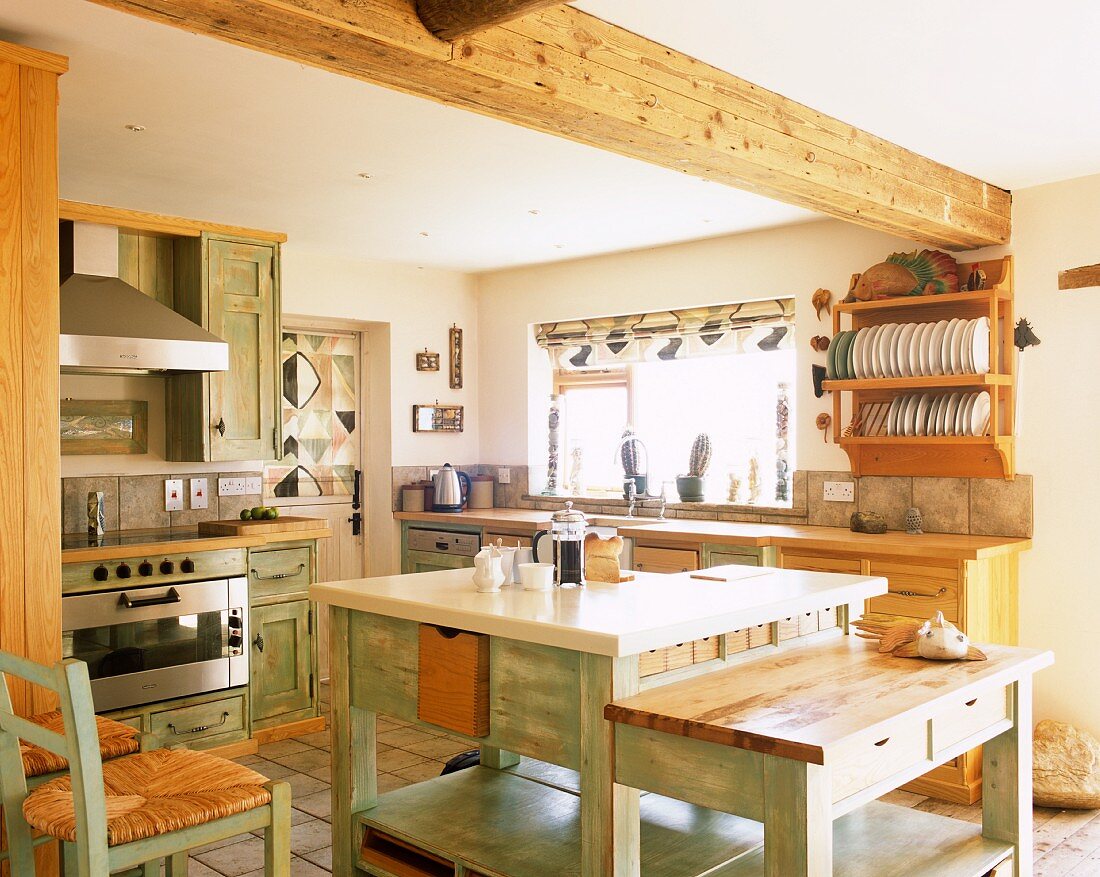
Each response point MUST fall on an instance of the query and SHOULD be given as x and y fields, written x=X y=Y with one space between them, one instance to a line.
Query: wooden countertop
x=805 y=537
x=156 y=544
x=682 y=531
x=806 y=703
x=522 y=518
x=650 y=612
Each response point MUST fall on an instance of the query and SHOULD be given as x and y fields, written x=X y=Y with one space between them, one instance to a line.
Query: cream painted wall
x=795 y=260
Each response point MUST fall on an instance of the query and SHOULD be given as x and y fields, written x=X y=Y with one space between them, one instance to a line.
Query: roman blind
x=745 y=327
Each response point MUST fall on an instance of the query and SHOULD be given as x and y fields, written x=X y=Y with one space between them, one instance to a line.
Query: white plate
x=979 y=346
x=924 y=407
x=854 y=368
x=907 y=422
x=903 y=346
x=934 y=342
x=885 y=348
x=958 y=366
x=892 y=415
x=919 y=355
x=968 y=347
x=979 y=415
x=849 y=359
x=951 y=412
x=934 y=416
x=947 y=342
x=870 y=348
x=962 y=423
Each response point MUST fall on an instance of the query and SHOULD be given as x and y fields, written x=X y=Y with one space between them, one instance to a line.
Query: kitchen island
x=529 y=675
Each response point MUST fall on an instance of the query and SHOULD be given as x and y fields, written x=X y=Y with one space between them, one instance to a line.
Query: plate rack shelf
x=988 y=456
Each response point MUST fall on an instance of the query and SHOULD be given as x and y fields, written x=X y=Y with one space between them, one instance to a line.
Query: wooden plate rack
x=988 y=456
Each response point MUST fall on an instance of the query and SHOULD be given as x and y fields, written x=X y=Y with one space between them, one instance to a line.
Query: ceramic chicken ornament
x=929 y=272
x=936 y=639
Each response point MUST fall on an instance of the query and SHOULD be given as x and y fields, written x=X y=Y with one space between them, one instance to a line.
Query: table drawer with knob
x=863 y=762
x=664 y=560
x=968 y=717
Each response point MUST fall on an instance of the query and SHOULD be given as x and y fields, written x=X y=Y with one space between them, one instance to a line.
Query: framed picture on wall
x=437 y=418
x=92 y=426
x=427 y=362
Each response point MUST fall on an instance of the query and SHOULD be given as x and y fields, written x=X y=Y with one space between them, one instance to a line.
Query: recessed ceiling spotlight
x=423 y=234
x=708 y=220
x=364 y=175
x=137 y=129
x=559 y=246
x=533 y=212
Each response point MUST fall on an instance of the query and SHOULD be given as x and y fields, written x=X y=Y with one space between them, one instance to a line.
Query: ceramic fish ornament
x=929 y=272
x=936 y=639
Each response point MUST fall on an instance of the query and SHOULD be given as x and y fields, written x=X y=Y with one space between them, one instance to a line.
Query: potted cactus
x=631 y=452
x=691 y=486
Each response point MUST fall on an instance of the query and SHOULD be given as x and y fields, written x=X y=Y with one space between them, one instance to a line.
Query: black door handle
x=220 y=426
x=356 y=499
x=356 y=521
x=258 y=642
x=173 y=596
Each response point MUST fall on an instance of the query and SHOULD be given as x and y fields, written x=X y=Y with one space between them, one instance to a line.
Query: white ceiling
x=1006 y=91
x=235 y=136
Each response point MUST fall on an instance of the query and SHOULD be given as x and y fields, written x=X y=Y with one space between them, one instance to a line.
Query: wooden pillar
x=30 y=454
x=1007 y=793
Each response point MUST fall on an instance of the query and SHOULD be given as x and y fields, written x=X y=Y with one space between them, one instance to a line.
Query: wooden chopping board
x=282 y=524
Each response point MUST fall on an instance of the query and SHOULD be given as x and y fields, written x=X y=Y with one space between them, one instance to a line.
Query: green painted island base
x=525 y=822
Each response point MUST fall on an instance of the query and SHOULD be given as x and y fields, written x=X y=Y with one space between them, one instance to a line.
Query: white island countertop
x=651 y=612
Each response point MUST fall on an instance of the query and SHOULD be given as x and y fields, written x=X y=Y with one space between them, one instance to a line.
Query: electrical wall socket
x=254 y=485
x=173 y=494
x=231 y=486
x=839 y=491
x=504 y=475
x=199 y=498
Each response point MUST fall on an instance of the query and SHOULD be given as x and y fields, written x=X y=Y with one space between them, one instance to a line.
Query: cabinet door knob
x=258 y=642
x=220 y=426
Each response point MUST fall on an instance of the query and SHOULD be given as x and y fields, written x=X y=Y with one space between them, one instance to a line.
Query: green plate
x=830 y=357
x=843 y=352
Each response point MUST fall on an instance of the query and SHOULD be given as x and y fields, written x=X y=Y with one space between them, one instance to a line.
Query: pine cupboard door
x=244 y=311
x=281 y=662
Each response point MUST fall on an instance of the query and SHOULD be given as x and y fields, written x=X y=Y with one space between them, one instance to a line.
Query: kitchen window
x=724 y=371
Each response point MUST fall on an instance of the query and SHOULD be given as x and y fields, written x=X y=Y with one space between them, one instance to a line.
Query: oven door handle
x=173 y=596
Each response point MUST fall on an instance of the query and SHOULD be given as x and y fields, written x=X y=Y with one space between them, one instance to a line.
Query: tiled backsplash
x=975 y=506
x=136 y=502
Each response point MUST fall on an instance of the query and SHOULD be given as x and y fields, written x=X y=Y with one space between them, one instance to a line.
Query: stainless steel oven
x=151 y=643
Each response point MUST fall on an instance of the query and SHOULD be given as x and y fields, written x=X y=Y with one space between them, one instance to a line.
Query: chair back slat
x=79 y=744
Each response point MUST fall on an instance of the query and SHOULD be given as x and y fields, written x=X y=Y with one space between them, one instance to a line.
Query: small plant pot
x=690 y=487
x=641 y=483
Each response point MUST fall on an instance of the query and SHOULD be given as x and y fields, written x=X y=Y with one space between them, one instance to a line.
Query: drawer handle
x=198 y=728
x=938 y=593
x=971 y=702
x=883 y=742
x=279 y=575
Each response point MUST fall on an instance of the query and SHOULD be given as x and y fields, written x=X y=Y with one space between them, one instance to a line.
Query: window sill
x=608 y=505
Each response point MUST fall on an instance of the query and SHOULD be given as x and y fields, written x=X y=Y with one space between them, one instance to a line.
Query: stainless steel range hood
x=109 y=326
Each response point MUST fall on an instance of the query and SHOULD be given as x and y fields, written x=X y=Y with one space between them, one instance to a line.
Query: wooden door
x=664 y=560
x=323 y=446
x=282 y=660
x=244 y=310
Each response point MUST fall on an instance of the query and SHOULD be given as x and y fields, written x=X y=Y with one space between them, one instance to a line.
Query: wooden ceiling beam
x=451 y=19
x=567 y=73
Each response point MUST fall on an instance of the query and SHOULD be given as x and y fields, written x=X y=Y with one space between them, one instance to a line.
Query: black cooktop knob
x=123 y=571
x=187 y=565
x=167 y=567
x=100 y=573
x=145 y=568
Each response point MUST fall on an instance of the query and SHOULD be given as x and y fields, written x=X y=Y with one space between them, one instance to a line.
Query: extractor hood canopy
x=109 y=326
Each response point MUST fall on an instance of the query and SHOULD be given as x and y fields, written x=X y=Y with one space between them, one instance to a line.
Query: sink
x=624 y=521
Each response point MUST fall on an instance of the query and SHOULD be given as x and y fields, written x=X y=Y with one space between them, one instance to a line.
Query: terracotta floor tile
x=438 y=748
x=420 y=772
x=235 y=859
x=319 y=804
x=302 y=762
x=396 y=759
x=388 y=782
x=321 y=858
x=282 y=747
x=403 y=737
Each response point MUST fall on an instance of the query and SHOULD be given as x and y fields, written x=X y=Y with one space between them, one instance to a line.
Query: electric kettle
x=451 y=487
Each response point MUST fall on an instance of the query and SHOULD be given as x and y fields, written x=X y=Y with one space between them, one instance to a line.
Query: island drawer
x=965 y=719
x=705 y=649
x=395 y=856
x=278 y=572
x=862 y=763
x=453 y=680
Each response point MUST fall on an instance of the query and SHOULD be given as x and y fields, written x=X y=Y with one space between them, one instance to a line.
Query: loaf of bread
x=601 y=558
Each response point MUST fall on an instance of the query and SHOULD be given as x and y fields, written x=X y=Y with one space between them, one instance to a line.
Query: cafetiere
x=567 y=531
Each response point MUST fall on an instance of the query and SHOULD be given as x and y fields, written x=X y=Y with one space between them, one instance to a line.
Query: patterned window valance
x=747 y=327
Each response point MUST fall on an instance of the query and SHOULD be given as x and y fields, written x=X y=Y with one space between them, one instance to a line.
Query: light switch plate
x=173 y=494
x=199 y=498
x=504 y=475
x=254 y=484
x=839 y=491
x=231 y=486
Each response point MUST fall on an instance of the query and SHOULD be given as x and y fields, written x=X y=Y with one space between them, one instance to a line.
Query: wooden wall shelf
x=988 y=456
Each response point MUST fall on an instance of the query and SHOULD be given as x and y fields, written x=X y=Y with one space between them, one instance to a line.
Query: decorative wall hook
x=822 y=300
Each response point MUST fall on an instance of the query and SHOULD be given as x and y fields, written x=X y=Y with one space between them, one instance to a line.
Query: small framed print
x=427 y=362
x=456 y=358
x=102 y=427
